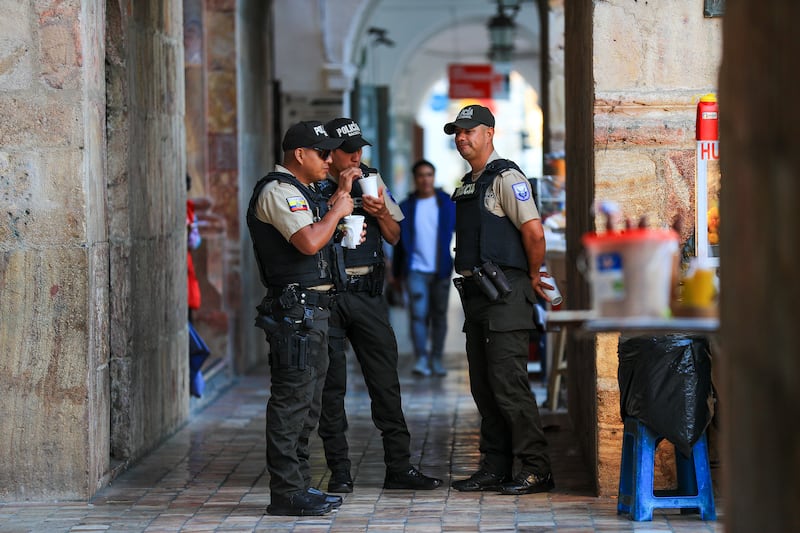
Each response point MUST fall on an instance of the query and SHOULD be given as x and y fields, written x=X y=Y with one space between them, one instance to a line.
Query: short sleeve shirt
x=283 y=206
x=510 y=195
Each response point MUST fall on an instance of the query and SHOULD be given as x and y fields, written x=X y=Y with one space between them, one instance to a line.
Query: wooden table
x=589 y=322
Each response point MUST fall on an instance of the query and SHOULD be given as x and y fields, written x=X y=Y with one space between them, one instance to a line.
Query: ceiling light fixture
x=502 y=31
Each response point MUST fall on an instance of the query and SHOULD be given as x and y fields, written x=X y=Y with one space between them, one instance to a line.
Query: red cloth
x=193 y=285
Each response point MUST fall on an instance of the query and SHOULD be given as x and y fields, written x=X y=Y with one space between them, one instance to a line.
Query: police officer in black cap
x=361 y=314
x=499 y=248
x=292 y=228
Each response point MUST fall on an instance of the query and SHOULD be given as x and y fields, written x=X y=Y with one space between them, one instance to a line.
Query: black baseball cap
x=469 y=117
x=309 y=134
x=349 y=131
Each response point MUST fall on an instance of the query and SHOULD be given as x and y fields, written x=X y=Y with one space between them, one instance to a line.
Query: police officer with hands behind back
x=361 y=314
x=292 y=228
x=499 y=248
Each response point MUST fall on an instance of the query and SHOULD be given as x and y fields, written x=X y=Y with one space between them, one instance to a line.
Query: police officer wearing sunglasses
x=292 y=228
x=361 y=315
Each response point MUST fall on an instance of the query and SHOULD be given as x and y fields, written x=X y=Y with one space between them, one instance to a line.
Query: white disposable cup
x=354 y=225
x=369 y=186
x=554 y=294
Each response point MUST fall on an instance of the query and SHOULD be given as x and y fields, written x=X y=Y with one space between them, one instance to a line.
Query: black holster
x=288 y=344
x=498 y=278
x=485 y=284
x=491 y=280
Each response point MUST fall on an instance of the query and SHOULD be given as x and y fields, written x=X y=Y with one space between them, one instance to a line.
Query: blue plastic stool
x=695 y=492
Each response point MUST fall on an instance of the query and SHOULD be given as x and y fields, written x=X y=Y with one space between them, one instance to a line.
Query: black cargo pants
x=497 y=350
x=364 y=319
x=298 y=365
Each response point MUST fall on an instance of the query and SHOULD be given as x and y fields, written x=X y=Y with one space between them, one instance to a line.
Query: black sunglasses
x=324 y=154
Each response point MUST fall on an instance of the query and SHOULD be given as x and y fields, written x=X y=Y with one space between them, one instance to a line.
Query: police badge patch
x=521 y=191
x=297 y=203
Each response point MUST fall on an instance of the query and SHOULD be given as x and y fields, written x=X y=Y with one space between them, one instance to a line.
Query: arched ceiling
x=426 y=36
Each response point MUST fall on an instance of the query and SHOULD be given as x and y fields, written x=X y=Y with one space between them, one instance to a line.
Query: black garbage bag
x=665 y=382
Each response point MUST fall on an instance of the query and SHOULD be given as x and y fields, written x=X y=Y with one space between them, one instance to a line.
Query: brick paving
x=210 y=476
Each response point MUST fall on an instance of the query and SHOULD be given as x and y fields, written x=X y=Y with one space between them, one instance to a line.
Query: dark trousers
x=293 y=409
x=497 y=350
x=364 y=319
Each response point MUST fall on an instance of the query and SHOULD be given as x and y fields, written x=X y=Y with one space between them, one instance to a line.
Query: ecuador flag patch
x=297 y=203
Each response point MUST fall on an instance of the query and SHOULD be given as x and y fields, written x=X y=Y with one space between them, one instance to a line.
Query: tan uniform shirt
x=510 y=195
x=283 y=206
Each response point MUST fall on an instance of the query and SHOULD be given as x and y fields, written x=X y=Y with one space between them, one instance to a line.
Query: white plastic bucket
x=631 y=272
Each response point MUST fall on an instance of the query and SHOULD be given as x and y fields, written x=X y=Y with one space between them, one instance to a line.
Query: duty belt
x=365 y=283
x=291 y=295
x=319 y=299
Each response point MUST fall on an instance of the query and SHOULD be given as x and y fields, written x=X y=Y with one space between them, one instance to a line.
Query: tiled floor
x=211 y=476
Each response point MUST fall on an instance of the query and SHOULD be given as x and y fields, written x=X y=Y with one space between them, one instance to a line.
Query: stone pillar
x=212 y=152
x=195 y=81
x=258 y=139
x=650 y=63
x=54 y=272
x=146 y=193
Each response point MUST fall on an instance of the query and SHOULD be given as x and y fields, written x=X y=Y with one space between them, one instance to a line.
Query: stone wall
x=92 y=365
x=652 y=62
x=54 y=276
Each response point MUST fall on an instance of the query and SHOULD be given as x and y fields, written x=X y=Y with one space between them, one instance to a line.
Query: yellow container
x=698 y=288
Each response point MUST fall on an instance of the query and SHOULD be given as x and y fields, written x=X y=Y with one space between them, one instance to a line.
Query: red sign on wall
x=472 y=81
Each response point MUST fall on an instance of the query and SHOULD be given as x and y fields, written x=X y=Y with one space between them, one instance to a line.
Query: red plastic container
x=631 y=271
x=707 y=124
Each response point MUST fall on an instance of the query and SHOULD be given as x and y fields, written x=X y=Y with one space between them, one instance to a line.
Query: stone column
x=258 y=139
x=650 y=63
x=146 y=193
x=54 y=270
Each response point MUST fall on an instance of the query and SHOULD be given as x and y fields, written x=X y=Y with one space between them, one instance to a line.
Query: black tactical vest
x=480 y=235
x=279 y=262
x=369 y=252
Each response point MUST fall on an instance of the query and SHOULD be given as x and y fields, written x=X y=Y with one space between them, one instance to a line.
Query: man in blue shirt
x=424 y=263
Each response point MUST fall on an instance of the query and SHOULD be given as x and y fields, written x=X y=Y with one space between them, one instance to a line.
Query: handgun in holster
x=458 y=283
x=377 y=279
x=288 y=345
x=268 y=324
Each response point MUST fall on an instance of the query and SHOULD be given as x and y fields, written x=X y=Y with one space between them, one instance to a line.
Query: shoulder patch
x=521 y=191
x=297 y=203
